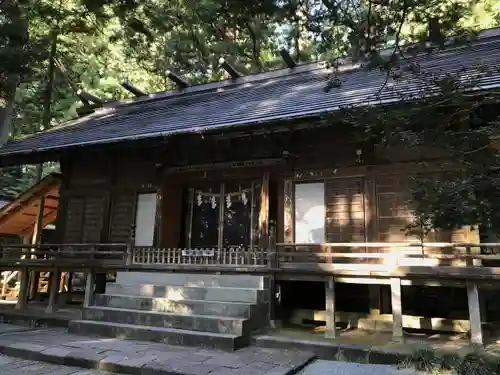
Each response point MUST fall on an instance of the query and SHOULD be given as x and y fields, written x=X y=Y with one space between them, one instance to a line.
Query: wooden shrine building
x=248 y=174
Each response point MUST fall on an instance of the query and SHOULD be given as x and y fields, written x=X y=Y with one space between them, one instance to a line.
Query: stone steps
x=195 y=307
x=215 y=294
x=170 y=336
x=202 y=323
x=213 y=311
x=192 y=280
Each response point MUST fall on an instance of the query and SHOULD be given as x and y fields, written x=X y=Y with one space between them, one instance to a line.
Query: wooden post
x=22 y=297
x=63 y=282
x=263 y=224
x=89 y=289
x=374 y=299
x=55 y=276
x=273 y=295
x=330 y=332
x=129 y=254
x=397 y=309
x=4 y=283
x=476 y=331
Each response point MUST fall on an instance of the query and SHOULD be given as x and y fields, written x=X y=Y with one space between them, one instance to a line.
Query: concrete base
x=169 y=336
x=383 y=323
x=191 y=280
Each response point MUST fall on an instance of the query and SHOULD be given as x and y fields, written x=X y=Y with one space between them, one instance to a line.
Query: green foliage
x=102 y=42
x=446 y=120
x=429 y=361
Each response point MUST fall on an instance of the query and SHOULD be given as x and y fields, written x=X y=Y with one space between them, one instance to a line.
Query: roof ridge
x=278 y=96
x=345 y=63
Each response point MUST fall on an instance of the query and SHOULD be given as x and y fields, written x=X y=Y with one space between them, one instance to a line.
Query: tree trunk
x=6 y=109
x=11 y=14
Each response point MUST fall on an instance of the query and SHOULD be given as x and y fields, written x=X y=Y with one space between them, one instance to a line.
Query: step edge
x=179 y=300
x=190 y=286
x=163 y=313
x=154 y=328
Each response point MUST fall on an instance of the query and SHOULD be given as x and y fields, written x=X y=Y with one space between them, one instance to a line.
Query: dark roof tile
x=285 y=96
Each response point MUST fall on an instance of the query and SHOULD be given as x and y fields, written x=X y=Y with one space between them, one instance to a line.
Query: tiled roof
x=254 y=99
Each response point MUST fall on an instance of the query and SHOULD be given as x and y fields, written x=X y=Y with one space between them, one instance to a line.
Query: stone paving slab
x=323 y=367
x=55 y=345
x=333 y=350
x=10 y=365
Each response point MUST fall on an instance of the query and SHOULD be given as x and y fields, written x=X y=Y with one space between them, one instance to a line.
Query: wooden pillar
x=330 y=332
x=22 y=297
x=89 y=289
x=33 y=285
x=374 y=299
x=264 y=209
x=397 y=309
x=476 y=331
x=371 y=235
x=36 y=240
x=4 y=282
x=55 y=277
x=274 y=292
x=63 y=282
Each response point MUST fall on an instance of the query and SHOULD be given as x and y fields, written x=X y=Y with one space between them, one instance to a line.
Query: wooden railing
x=232 y=256
x=423 y=254
x=63 y=255
x=336 y=257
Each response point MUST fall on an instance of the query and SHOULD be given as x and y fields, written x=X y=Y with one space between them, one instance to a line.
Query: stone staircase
x=213 y=311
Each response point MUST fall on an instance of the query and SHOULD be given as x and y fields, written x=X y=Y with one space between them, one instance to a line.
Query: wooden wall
x=345 y=210
x=365 y=199
x=367 y=204
x=98 y=197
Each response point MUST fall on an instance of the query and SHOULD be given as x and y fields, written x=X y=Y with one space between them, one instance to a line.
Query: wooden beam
x=27 y=200
x=287 y=58
x=47 y=219
x=90 y=98
x=62 y=70
x=131 y=88
x=89 y=289
x=476 y=331
x=22 y=298
x=178 y=80
x=288 y=212
x=54 y=280
x=397 y=309
x=330 y=332
x=264 y=209
x=230 y=69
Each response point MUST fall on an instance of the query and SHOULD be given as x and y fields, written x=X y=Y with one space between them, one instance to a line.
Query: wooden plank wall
x=99 y=197
x=394 y=213
x=345 y=210
x=366 y=204
x=121 y=217
x=172 y=215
